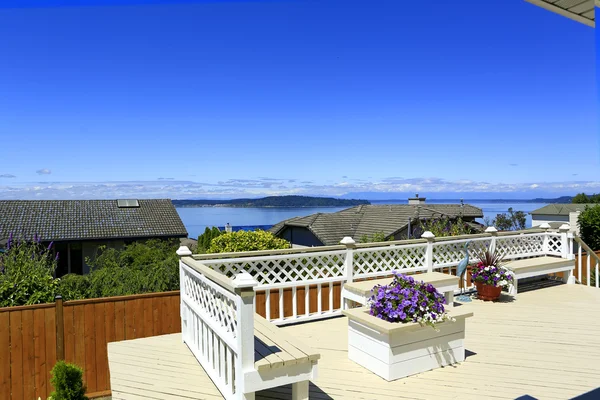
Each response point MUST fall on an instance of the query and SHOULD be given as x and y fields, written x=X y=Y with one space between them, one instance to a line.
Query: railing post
x=564 y=240
x=349 y=260
x=429 y=251
x=494 y=232
x=244 y=285
x=60 y=328
x=182 y=251
x=546 y=244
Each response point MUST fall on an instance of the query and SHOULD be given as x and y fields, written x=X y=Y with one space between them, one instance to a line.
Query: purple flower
x=50 y=245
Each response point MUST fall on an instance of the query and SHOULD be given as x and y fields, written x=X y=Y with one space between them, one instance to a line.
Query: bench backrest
x=217 y=323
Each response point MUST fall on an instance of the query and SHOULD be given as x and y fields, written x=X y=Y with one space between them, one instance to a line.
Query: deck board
x=543 y=344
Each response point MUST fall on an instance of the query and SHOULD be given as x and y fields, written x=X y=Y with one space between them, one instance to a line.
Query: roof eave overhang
x=565 y=13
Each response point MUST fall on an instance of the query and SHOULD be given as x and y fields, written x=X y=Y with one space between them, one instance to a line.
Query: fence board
x=261 y=303
x=79 y=334
x=325 y=297
x=148 y=322
x=28 y=355
x=300 y=300
x=16 y=354
x=50 y=326
x=5 y=359
x=138 y=318
x=39 y=339
x=69 y=329
x=89 y=347
x=119 y=321
x=101 y=350
x=129 y=320
x=288 y=306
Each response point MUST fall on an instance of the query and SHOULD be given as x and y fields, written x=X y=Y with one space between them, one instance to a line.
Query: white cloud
x=255 y=187
x=8 y=176
x=43 y=171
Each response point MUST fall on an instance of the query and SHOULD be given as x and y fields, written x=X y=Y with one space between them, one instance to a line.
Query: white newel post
x=348 y=265
x=429 y=251
x=494 y=232
x=244 y=285
x=564 y=240
x=546 y=244
x=182 y=251
x=566 y=250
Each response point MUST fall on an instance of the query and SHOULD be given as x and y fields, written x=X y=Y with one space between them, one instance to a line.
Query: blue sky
x=245 y=98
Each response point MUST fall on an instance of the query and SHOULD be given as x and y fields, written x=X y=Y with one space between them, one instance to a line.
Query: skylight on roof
x=125 y=203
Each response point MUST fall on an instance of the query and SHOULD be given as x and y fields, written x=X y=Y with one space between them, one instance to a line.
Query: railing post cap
x=491 y=229
x=348 y=241
x=564 y=228
x=183 y=251
x=244 y=280
x=428 y=235
x=545 y=226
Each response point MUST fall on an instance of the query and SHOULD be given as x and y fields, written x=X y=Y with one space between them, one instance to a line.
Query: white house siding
x=539 y=219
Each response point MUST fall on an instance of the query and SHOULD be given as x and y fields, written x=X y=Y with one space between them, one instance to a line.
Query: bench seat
x=280 y=359
x=273 y=348
x=530 y=267
x=360 y=292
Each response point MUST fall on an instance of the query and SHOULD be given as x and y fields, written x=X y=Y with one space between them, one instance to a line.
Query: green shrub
x=206 y=238
x=589 y=226
x=247 y=241
x=444 y=227
x=67 y=380
x=140 y=267
x=26 y=273
x=73 y=287
x=375 y=237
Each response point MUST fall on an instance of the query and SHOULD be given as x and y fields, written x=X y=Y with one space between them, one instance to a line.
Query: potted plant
x=490 y=276
x=392 y=335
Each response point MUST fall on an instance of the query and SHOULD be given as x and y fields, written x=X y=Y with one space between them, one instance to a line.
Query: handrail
x=590 y=254
x=221 y=279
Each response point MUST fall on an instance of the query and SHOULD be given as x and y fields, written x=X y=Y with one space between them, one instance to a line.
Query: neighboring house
x=558 y=214
x=392 y=220
x=79 y=227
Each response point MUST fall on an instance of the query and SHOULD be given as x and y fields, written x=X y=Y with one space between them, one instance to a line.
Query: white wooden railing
x=589 y=279
x=217 y=323
x=321 y=269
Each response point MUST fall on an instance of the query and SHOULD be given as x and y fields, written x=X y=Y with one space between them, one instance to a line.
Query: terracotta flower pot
x=488 y=292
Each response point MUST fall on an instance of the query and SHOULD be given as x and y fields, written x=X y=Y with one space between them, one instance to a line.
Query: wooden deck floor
x=545 y=344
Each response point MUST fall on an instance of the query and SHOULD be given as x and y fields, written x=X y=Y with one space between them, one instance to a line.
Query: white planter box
x=394 y=351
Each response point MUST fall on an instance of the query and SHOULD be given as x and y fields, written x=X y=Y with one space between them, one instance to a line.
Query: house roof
x=89 y=219
x=577 y=10
x=362 y=220
x=560 y=209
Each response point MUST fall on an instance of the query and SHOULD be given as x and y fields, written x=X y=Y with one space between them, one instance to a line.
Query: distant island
x=273 y=201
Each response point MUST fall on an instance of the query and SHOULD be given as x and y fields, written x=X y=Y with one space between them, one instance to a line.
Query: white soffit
x=577 y=10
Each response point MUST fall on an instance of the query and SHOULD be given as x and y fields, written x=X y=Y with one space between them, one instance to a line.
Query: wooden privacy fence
x=33 y=338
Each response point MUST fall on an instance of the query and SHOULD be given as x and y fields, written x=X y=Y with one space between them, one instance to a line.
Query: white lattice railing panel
x=554 y=244
x=211 y=301
x=277 y=270
x=520 y=246
x=450 y=253
x=383 y=260
x=210 y=327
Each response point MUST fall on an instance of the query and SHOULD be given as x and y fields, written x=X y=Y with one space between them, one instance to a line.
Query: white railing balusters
x=319 y=298
x=579 y=262
x=306 y=301
x=430 y=237
x=268 y=304
x=280 y=303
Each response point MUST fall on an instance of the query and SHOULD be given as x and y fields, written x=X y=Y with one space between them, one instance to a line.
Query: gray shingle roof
x=89 y=219
x=362 y=220
x=561 y=209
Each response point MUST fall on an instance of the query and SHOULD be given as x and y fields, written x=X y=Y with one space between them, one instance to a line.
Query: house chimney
x=413 y=201
x=228 y=228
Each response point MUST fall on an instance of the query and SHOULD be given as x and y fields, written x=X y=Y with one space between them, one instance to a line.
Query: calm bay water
x=197 y=219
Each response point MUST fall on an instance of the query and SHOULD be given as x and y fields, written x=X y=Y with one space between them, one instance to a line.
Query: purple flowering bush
x=407 y=300
x=490 y=272
x=26 y=273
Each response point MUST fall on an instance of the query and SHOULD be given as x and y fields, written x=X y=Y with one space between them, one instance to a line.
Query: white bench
x=360 y=292
x=530 y=267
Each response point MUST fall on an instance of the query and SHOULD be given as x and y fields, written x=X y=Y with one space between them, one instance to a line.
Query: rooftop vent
x=124 y=203
x=416 y=200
